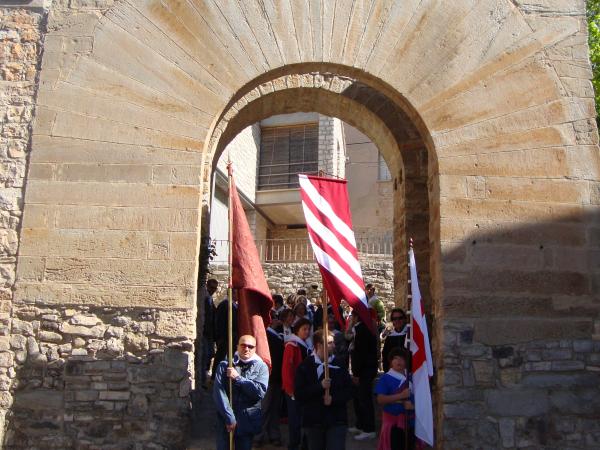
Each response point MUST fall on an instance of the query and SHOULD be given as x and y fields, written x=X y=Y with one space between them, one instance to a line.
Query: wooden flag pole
x=325 y=338
x=407 y=341
x=408 y=338
x=230 y=290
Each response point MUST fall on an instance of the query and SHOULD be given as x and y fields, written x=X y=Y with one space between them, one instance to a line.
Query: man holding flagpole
x=326 y=207
x=241 y=381
x=241 y=414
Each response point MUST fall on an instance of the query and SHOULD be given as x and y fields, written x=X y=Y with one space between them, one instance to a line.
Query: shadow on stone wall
x=97 y=378
x=518 y=366
x=521 y=336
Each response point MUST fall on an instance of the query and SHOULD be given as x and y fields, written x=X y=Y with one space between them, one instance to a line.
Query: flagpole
x=410 y=338
x=325 y=338
x=409 y=305
x=230 y=289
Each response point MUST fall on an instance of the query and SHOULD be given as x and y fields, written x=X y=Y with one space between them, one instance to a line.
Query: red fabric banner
x=327 y=211
x=254 y=296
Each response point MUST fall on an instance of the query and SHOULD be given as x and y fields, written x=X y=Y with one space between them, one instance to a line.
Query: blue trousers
x=241 y=441
x=271 y=406
x=294 y=423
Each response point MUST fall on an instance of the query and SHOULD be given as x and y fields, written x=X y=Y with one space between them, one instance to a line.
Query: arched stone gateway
x=322 y=88
x=484 y=110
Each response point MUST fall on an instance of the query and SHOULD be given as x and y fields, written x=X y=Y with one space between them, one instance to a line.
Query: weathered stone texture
x=243 y=151
x=491 y=139
x=287 y=278
x=20 y=38
x=103 y=377
x=19 y=55
x=531 y=394
x=332 y=155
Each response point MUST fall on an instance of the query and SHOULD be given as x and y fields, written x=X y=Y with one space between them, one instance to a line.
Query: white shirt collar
x=397 y=375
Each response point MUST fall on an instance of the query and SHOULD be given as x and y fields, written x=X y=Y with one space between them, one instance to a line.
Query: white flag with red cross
x=422 y=364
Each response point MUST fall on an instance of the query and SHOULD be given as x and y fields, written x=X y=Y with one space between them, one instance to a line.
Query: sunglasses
x=250 y=346
x=398 y=318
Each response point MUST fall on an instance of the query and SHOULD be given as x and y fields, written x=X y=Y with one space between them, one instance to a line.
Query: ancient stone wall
x=492 y=145
x=93 y=377
x=287 y=278
x=521 y=351
x=523 y=395
x=20 y=51
x=74 y=375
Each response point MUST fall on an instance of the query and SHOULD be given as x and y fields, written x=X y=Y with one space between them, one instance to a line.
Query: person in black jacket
x=271 y=404
x=207 y=341
x=324 y=418
x=364 y=361
x=394 y=337
x=221 y=333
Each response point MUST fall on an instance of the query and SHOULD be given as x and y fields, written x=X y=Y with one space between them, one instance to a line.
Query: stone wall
x=537 y=394
x=491 y=142
x=287 y=278
x=332 y=148
x=243 y=151
x=90 y=378
x=20 y=50
x=73 y=375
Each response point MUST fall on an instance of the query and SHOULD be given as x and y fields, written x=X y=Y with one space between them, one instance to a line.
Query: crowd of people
x=363 y=367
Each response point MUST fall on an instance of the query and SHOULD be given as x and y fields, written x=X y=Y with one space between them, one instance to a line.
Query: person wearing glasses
x=395 y=336
x=250 y=378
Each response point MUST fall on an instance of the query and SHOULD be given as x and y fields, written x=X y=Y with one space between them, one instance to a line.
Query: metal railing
x=300 y=250
x=284 y=180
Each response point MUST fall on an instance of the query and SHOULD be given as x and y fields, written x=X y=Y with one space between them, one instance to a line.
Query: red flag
x=327 y=211
x=254 y=297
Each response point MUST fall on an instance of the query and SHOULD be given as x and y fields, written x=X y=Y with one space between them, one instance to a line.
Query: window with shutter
x=285 y=152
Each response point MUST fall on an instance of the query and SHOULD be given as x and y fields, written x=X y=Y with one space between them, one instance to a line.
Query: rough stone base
x=539 y=394
x=89 y=378
x=287 y=278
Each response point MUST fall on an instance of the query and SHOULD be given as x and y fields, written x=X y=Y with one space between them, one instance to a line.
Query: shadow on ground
x=204 y=423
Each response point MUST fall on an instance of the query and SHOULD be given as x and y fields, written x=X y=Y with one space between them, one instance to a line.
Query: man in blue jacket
x=250 y=378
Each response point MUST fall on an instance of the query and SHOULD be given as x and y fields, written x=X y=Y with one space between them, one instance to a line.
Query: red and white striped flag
x=422 y=364
x=327 y=212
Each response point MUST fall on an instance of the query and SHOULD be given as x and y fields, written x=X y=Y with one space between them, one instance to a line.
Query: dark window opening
x=285 y=152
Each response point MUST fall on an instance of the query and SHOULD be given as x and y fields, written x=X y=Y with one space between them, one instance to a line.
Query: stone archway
x=360 y=105
x=377 y=116
x=127 y=96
